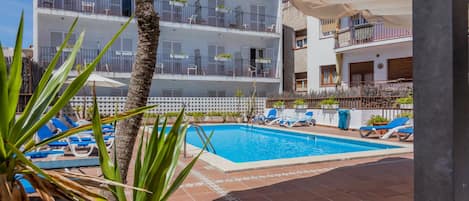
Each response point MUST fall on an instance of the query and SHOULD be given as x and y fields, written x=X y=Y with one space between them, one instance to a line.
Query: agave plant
x=17 y=135
x=155 y=163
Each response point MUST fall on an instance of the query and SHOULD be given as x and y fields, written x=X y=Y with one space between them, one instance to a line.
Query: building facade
x=295 y=44
x=352 y=52
x=206 y=47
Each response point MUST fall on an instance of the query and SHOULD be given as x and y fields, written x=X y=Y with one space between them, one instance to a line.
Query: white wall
x=392 y=51
x=192 y=88
x=358 y=118
x=320 y=53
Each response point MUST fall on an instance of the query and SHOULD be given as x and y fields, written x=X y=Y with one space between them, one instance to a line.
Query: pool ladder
x=203 y=137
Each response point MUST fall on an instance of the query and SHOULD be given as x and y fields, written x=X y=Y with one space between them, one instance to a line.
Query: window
x=361 y=73
x=400 y=68
x=301 y=40
x=358 y=20
x=328 y=27
x=301 y=84
x=328 y=75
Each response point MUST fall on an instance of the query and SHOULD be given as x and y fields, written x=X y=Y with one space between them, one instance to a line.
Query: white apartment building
x=366 y=53
x=206 y=47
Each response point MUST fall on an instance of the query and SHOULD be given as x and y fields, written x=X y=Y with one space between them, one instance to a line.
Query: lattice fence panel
x=108 y=104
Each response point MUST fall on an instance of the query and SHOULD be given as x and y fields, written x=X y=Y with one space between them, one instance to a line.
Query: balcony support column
x=441 y=92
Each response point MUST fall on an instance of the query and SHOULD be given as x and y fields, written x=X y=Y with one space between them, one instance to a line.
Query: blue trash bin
x=344 y=117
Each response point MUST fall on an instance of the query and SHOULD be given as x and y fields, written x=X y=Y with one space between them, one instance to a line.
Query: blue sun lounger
x=106 y=127
x=306 y=120
x=405 y=133
x=366 y=131
x=45 y=133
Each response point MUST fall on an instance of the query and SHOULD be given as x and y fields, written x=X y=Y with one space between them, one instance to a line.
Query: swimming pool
x=241 y=143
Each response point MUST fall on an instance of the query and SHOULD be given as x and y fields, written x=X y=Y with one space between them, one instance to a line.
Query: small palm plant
x=153 y=172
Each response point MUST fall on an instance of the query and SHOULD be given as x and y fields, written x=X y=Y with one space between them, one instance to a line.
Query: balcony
x=100 y=7
x=233 y=18
x=171 y=64
x=174 y=11
x=366 y=33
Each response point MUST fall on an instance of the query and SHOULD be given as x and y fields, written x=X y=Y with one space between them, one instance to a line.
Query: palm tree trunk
x=140 y=81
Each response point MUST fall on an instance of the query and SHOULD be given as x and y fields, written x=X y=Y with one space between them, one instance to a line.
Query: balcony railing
x=366 y=33
x=175 y=64
x=103 y=7
x=172 y=11
x=233 y=18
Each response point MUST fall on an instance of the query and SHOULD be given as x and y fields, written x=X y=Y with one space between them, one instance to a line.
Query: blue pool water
x=241 y=143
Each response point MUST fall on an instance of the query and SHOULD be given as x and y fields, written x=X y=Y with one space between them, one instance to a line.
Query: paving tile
x=388 y=178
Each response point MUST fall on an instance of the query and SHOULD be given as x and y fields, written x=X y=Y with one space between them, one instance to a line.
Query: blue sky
x=10 y=12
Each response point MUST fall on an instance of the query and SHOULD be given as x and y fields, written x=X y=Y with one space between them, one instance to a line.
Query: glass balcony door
x=215 y=66
x=170 y=12
x=172 y=57
x=216 y=15
x=258 y=61
x=121 y=56
x=257 y=18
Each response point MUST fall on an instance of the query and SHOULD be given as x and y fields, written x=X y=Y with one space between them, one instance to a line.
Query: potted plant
x=67 y=48
x=179 y=55
x=222 y=9
x=406 y=102
x=329 y=104
x=279 y=105
x=171 y=116
x=231 y=117
x=179 y=3
x=239 y=94
x=264 y=60
x=214 y=117
x=196 y=117
x=223 y=57
x=377 y=120
x=300 y=104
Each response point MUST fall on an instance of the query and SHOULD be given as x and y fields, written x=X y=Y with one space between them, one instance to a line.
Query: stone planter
x=228 y=119
x=213 y=119
x=239 y=120
x=179 y=56
x=330 y=107
x=177 y=3
x=222 y=10
x=406 y=106
x=280 y=107
x=221 y=59
x=299 y=107
x=264 y=61
x=66 y=49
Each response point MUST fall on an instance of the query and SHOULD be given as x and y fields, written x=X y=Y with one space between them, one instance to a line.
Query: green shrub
x=329 y=101
x=233 y=114
x=409 y=115
x=376 y=119
x=180 y=1
x=171 y=114
x=406 y=100
x=299 y=102
x=215 y=114
x=225 y=56
x=278 y=104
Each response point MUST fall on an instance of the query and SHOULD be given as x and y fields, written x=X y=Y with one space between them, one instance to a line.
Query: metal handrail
x=203 y=137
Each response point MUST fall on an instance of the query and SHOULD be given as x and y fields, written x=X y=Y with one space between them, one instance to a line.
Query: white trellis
x=108 y=104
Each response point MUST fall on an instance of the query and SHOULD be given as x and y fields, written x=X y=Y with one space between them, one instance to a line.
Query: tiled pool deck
x=388 y=178
x=367 y=179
